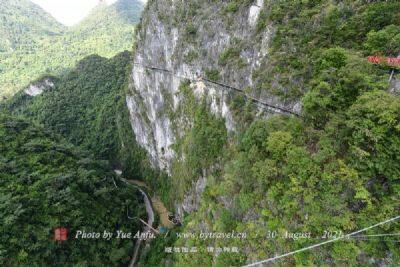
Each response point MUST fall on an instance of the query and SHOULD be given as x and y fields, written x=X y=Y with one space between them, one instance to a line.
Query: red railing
x=389 y=61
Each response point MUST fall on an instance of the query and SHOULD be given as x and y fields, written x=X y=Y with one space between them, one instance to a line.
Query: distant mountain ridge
x=23 y=19
x=126 y=10
x=36 y=44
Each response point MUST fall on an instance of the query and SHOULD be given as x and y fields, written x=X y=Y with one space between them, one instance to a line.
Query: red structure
x=61 y=234
x=390 y=61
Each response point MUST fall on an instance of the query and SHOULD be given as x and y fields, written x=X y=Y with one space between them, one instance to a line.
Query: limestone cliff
x=197 y=39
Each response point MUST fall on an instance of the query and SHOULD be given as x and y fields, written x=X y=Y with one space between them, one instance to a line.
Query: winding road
x=149 y=204
x=150 y=221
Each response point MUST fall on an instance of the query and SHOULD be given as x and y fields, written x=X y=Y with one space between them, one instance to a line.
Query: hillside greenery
x=34 y=44
x=334 y=169
x=87 y=107
x=45 y=183
x=23 y=23
x=305 y=29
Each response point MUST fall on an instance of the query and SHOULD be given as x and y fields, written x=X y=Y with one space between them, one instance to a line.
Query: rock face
x=39 y=87
x=395 y=85
x=192 y=199
x=179 y=40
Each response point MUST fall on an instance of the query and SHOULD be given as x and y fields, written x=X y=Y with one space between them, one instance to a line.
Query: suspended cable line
x=258 y=263
x=227 y=86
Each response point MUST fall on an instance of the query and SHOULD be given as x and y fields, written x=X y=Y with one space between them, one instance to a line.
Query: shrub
x=228 y=55
x=212 y=75
x=191 y=29
x=385 y=41
x=232 y=7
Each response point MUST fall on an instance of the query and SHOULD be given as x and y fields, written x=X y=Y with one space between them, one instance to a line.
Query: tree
x=384 y=42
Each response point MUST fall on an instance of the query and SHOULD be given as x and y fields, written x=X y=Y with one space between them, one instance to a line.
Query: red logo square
x=61 y=234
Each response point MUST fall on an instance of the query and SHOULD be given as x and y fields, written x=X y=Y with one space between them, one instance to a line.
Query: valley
x=243 y=132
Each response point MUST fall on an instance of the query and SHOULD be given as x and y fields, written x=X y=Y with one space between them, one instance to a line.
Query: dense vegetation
x=61 y=172
x=333 y=169
x=46 y=183
x=336 y=170
x=304 y=29
x=87 y=107
x=23 y=23
x=33 y=43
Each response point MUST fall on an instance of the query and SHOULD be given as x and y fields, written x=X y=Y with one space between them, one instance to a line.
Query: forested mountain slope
x=235 y=166
x=47 y=183
x=232 y=165
x=87 y=107
x=23 y=23
x=35 y=44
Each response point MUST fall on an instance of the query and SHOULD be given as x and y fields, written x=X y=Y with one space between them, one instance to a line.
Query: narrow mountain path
x=150 y=221
x=158 y=206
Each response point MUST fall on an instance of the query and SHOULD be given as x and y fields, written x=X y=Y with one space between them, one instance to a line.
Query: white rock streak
x=39 y=87
x=255 y=12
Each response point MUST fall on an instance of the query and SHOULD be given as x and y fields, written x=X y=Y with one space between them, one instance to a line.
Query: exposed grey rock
x=394 y=87
x=39 y=87
x=254 y=12
x=192 y=199
x=190 y=46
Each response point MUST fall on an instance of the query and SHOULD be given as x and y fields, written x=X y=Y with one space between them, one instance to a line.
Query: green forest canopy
x=334 y=169
x=46 y=183
x=87 y=107
x=34 y=44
